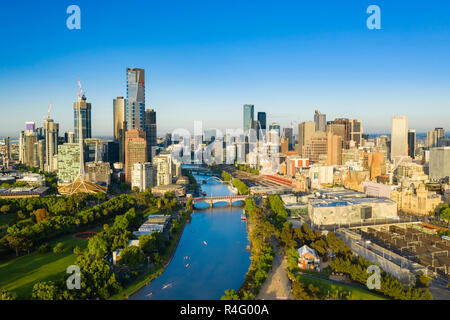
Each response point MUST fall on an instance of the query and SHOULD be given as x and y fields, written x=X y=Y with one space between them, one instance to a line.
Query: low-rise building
x=178 y=190
x=308 y=258
x=340 y=207
x=417 y=201
x=320 y=175
x=153 y=223
x=33 y=179
x=26 y=192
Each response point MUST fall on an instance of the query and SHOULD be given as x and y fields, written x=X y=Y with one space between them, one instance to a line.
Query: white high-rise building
x=143 y=176
x=163 y=165
x=399 y=137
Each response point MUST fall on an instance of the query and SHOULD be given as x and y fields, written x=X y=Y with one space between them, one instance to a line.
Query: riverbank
x=155 y=271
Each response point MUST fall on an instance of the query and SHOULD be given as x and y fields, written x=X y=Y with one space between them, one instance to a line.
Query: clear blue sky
x=205 y=59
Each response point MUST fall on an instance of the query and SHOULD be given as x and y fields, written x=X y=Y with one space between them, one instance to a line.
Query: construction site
x=414 y=242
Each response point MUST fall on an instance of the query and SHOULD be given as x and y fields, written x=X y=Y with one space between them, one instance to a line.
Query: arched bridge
x=213 y=200
x=214 y=178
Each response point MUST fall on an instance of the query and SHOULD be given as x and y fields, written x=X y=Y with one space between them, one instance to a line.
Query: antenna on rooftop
x=80 y=90
x=49 y=109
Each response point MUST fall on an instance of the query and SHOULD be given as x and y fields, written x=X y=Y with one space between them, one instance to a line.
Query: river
x=211 y=256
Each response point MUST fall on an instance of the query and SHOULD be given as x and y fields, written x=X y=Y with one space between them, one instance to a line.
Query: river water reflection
x=211 y=255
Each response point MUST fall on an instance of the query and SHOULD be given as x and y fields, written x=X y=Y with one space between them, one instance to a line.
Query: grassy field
x=19 y=274
x=357 y=293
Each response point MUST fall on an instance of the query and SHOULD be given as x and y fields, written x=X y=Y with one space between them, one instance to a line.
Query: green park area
x=19 y=274
x=333 y=288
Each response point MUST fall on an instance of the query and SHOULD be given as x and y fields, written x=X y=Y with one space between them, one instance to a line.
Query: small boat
x=187 y=265
x=205 y=243
x=204 y=193
x=243 y=217
x=149 y=295
x=167 y=286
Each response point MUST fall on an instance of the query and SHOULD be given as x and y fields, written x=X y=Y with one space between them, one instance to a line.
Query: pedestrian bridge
x=221 y=199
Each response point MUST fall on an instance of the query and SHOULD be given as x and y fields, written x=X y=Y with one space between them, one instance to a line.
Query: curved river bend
x=211 y=256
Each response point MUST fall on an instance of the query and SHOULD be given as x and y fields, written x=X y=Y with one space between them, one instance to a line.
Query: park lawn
x=357 y=293
x=19 y=274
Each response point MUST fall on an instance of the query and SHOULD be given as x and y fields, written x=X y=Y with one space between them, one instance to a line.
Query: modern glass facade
x=85 y=108
x=249 y=115
x=135 y=104
x=150 y=132
x=411 y=143
x=262 y=123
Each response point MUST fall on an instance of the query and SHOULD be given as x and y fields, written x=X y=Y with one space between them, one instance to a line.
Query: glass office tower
x=150 y=132
x=135 y=103
x=85 y=109
x=249 y=113
x=262 y=122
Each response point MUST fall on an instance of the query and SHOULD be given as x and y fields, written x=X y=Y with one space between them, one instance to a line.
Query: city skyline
x=288 y=64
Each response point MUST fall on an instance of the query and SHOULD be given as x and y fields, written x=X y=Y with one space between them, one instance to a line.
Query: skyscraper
x=85 y=110
x=316 y=149
x=135 y=150
x=288 y=133
x=347 y=130
x=356 y=131
x=334 y=149
x=399 y=136
x=51 y=131
x=143 y=176
x=261 y=125
x=120 y=125
x=411 y=143
x=249 y=113
x=434 y=137
x=305 y=132
x=440 y=133
x=135 y=104
x=150 y=132
x=337 y=129
x=320 y=121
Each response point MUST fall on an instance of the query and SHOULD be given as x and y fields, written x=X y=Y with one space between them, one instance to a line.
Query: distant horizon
x=111 y=137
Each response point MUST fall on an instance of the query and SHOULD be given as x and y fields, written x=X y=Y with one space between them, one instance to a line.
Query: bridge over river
x=219 y=199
